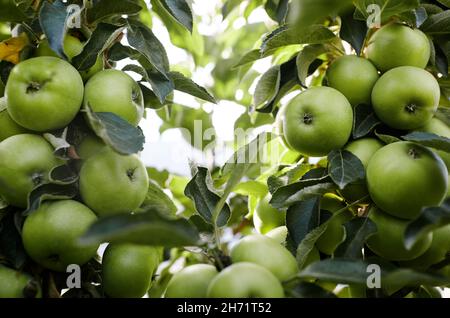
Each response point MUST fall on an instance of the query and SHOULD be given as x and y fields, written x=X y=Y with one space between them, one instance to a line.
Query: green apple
x=8 y=127
x=406 y=97
x=397 y=45
x=25 y=162
x=318 y=121
x=15 y=284
x=111 y=183
x=404 y=177
x=127 y=269
x=191 y=282
x=51 y=233
x=266 y=217
x=264 y=251
x=116 y=92
x=89 y=146
x=357 y=89
x=364 y=149
x=388 y=241
x=335 y=233
x=245 y=280
x=437 y=252
x=44 y=93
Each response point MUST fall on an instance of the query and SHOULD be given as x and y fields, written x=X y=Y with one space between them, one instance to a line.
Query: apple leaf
x=277 y=10
x=345 y=168
x=248 y=57
x=102 y=37
x=150 y=98
x=186 y=85
x=387 y=8
x=308 y=243
x=302 y=218
x=386 y=138
x=104 y=9
x=181 y=11
x=53 y=20
x=353 y=31
x=59 y=142
x=430 y=219
x=364 y=120
x=429 y=140
x=161 y=84
x=201 y=191
x=315 y=11
x=398 y=278
x=357 y=231
x=309 y=290
x=116 y=132
x=267 y=87
x=305 y=58
x=49 y=191
x=149 y=228
x=437 y=24
x=284 y=36
x=157 y=199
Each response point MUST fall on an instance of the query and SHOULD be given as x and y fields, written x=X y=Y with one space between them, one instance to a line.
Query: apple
x=266 y=217
x=403 y=177
x=388 y=241
x=318 y=121
x=89 y=146
x=364 y=149
x=16 y=284
x=191 y=282
x=127 y=269
x=357 y=89
x=264 y=251
x=50 y=234
x=406 y=97
x=44 y=93
x=111 y=183
x=116 y=92
x=245 y=280
x=25 y=163
x=8 y=127
x=397 y=45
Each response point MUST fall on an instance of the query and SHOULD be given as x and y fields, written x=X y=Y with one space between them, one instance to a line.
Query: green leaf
x=345 y=168
x=353 y=31
x=10 y=12
x=308 y=243
x=53 y=21
x=387 y=139
x=120 y=52
x=337 y=270
x=59 y=142
x=186 y=85
x=364 y=121
x=229 y=6
x=284 y=36
x=116 y=132
x=305 y=58
x=302 y=218
x=429 y=140
x=430 y=219
x=267 y=87
x=148 y=228
x=357 y=231
x=157 y=200
x=102 y=38
x=277 y=10
x=437 y=24
x=445 y=3
x=150 y=98
x=255 y=188
x=310 y=290
x=401 y=277
x=49 y=191
x=201 y=191
x=388 y=8
x=104 y=9
x=249 y=57
x=181 y=11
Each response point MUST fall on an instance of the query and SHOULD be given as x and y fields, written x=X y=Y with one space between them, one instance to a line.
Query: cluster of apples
x=46 y=93
x=401 y=177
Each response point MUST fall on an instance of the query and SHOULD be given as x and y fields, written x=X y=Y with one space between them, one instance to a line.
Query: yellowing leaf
x=10 y=49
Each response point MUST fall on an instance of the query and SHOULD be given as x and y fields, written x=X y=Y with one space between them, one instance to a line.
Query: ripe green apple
x=317 y=121
x=50 y=234
x=439 y=248
x=115 y=91
x=111 y=183
x=191 y=282
x=357 y=89
x=266 y=217
x=388 y=241
x=44 y=93
x=127 y=269
x=25 y=162
x=264 y=251
x=245 y=280
x=406 y=97
x=89 y=146
x=404 y=177
x=8 y=127
x=15 y=284
x=397 y=45
x=364 y=149
x=335 y=233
